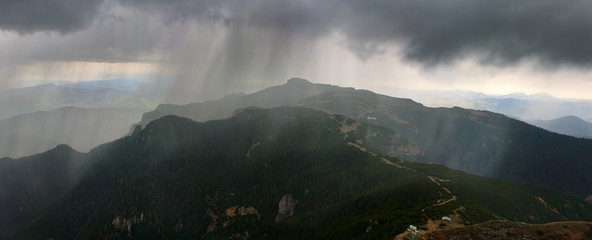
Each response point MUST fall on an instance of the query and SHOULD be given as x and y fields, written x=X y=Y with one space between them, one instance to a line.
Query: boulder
x=285 y=207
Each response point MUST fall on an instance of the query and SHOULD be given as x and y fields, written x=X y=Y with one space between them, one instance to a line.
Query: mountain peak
x=298 y=81
x=63 y=148
x=571 y=118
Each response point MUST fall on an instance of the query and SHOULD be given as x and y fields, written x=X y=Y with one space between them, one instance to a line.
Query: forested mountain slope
x=478 y=142
x=278 y=173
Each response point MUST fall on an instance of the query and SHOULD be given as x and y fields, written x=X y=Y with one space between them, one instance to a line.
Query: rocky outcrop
x=399 y=150
x=406 y=150
x=285 y=207
x=246 y=211
x=391 y=145
x=122 y=224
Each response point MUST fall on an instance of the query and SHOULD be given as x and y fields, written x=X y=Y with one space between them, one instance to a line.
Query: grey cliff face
x=285 y=207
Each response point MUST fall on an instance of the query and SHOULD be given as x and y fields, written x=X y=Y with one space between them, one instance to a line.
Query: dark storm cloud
x=178 y=10
x=64 y=16
x=502 y=31
x=431 y=32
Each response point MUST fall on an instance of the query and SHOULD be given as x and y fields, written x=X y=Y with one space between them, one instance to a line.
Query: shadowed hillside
x=479 y=142
x=29 y=184
x=270 y=174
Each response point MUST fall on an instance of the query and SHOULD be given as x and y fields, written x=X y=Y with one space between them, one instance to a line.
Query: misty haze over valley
x=278 y=119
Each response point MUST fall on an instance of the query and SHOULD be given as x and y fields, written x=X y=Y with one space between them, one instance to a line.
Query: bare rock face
x=247 y=211
x=122 y=224
x=285 y=207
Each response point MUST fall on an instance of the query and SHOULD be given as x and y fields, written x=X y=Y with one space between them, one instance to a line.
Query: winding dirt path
x=432 y=225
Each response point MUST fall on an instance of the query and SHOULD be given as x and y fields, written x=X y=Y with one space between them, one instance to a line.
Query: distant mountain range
x=533 y=109
x=479 y=142
x=83 y=115
x=115 y=84
x=82 y=128
x=282 y=173
x=558 y=115
x=518 y=105
x=569 y=125
x=51 y=96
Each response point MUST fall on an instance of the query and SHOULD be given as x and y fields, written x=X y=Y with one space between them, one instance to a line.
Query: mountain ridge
x=275 y=96
x=479 y=142
x=82 y=128
x=568 y=125
x=50 y=96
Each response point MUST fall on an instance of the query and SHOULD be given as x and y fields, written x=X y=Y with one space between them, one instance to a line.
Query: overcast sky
x=214 y=47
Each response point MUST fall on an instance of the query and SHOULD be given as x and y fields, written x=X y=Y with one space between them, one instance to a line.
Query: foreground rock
x=286 y=207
